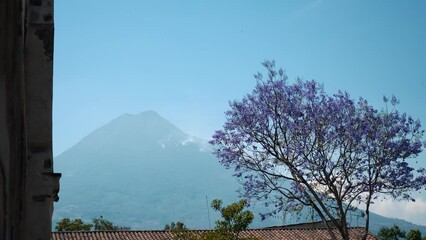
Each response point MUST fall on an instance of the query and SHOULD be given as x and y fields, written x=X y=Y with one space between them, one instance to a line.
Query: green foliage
x=98 y=224
x=67 y=225
x=414 y=234
x=180 y=231
x=178 y=226
x=234 y=221
x=393 y=233
x=234 y=218
x=101 y=224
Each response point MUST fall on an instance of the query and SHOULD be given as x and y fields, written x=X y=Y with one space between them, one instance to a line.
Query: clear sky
x=186 y=59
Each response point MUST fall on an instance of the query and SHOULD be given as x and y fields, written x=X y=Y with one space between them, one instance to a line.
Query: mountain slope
x=142 y=171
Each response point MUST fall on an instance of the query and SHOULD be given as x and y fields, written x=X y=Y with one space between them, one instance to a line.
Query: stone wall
x=28 y=185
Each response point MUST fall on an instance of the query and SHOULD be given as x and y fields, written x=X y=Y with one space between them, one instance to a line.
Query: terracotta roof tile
x=265 y=234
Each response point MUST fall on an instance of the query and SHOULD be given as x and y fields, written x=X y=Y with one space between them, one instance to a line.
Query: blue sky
x=187 y=59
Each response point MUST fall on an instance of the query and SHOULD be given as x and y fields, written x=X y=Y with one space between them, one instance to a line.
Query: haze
x=187 y=59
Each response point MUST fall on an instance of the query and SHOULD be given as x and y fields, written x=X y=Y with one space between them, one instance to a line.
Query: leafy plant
x=98 y=224
x=393 y=233
x=178 y=226
x=414 y=234
x=234 y=220
x=67 y=225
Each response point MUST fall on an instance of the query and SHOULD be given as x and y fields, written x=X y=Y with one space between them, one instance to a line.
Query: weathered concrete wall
x=28 y=185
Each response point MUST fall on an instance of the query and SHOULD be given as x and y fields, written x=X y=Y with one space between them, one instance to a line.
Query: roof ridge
x=204 y=230
x=281 y=234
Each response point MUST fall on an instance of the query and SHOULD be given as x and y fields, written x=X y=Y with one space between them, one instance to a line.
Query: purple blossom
x=302 y=147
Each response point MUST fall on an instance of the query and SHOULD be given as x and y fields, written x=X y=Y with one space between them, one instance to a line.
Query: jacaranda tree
x=295 y=146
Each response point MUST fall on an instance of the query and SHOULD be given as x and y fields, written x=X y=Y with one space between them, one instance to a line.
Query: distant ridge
x=141 y=171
